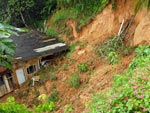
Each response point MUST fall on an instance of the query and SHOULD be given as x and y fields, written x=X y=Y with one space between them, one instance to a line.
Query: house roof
x=33 y=44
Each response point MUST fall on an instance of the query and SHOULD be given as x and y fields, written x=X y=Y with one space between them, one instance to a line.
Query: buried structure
x=32 y=51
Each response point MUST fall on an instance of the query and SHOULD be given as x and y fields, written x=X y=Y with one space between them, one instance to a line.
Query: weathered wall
x=24 y=66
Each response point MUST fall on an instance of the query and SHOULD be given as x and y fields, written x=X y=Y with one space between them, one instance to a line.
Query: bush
x=74 y=81
x=54 y=96
x=11 y=106
x=130 y=92
x=68 y=108
x=51 y=32
x=53 y=76
x=113 y=57
x=83 y=67
x=113 y=44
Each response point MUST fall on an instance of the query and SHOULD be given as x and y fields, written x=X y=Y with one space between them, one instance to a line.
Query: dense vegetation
x=7 y=48
x=130 y=91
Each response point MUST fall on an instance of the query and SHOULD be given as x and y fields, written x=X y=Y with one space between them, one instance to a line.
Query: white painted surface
x=49 y=40
x=49 y=47
x=20 y=76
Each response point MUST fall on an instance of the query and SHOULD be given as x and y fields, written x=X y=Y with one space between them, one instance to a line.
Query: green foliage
x=54 y=96
x=72 y=48
x=113 y=57
x=74 y=81
x=141 y=3
x=111 y=49
x=130 y=91
x=114 y=5
x=68 y=108
x=53 y=76
x=7 y=48
x=15 y=8
x=64 y=14
x=65 y=66
x=83 y=67
x=113 y=44
x=80 y=10
x=49 y=6
x=51 y=32
x=10 y=106
x=45 y=107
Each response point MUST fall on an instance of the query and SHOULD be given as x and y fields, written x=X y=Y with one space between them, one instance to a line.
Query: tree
x=17 y=7
x=7 y=47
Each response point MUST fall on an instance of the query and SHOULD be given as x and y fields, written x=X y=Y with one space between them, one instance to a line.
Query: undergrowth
x=82 y=67
x=81 y=11
x=74 y=80
x=112 y=49
x=130 y=92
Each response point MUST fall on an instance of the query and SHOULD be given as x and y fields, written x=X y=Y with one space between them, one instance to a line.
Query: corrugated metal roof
x=32 y=44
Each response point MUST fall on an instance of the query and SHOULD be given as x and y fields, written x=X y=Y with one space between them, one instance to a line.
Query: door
x=20 y=76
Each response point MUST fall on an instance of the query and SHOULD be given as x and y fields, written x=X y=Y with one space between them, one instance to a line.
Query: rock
x=81 y=52
x=142 y=34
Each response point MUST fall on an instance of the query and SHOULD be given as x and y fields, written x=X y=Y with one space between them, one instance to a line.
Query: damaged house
x=32 y=51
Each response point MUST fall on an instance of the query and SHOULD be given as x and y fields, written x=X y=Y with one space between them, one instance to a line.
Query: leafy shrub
x=68 y=108
x=51 y=32
x=82 y=67
x=111 y=49
x=113 y=57
x=113 y=44
x=54 y=96
x=130 y=91
x=45 y=107
x=74 y=81
x=10 y=106
x=53 y=76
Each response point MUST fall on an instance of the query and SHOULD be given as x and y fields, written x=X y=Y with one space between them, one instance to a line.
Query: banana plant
x=7 y=47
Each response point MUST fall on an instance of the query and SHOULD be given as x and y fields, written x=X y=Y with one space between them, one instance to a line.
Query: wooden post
x=6 y=83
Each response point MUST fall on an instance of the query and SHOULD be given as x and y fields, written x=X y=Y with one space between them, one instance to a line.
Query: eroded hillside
x=99 y=75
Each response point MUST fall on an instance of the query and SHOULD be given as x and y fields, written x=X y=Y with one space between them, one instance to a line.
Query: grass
x=82 y=12
x=51 y=32
x=54 y=96
x=83 y=67
x=72 y=48
x=74 y=81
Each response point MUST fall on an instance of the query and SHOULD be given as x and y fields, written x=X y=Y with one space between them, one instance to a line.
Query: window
x=1 y=80
x=31 y=69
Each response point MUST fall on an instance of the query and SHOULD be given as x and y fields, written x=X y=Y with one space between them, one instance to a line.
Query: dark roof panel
x=32 y=44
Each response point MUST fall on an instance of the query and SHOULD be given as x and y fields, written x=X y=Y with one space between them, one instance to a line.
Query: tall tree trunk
x=23 y=20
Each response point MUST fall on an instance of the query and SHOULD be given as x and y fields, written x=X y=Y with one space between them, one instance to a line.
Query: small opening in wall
x=31 y=69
